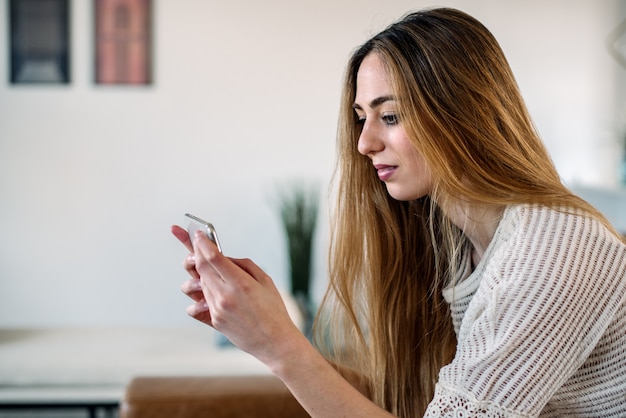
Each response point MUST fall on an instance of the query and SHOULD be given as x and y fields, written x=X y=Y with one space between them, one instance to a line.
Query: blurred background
x=243 y=99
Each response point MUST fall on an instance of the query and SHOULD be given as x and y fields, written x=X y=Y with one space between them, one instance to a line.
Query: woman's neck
x=479 y=223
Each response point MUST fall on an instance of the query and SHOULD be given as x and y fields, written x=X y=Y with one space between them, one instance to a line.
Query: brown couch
x=209 y=397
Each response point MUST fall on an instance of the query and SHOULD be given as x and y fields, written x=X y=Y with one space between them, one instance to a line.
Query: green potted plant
x=299 y=204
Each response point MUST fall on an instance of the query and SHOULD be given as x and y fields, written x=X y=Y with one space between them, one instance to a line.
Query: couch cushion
x=210 y=397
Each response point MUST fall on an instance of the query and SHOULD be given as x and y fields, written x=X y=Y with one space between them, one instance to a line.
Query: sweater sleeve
x=545 y=298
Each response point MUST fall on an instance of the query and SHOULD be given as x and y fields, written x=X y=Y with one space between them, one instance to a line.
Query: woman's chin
x=404 y=195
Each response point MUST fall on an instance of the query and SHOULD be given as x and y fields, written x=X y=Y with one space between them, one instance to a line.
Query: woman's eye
x=391 y=119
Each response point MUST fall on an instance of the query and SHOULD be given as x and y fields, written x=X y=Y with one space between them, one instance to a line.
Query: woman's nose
x=369 y=141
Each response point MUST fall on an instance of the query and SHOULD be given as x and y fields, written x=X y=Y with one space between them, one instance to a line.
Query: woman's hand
x=191 y=287
x=235 y=297
x=238 y=299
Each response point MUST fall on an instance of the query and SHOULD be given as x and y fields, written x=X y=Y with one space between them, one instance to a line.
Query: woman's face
x=383 y=138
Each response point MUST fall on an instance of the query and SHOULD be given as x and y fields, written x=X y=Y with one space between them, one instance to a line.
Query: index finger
x=208 y=255
x=183 y=236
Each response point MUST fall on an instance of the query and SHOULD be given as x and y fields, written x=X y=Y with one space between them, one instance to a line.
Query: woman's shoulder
x=534 y=243
x=539 y=222
x=546 y=241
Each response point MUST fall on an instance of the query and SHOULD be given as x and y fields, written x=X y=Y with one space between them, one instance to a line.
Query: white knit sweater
x=541 y=323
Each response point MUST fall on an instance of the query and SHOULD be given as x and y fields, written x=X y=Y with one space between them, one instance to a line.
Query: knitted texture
x=541 y=323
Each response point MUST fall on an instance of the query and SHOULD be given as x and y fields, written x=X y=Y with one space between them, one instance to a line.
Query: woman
x=474 y=284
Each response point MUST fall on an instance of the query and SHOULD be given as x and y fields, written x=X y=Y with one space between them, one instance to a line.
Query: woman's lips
x=385 y=171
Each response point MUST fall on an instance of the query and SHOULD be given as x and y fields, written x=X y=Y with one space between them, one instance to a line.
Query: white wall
x=245 y=98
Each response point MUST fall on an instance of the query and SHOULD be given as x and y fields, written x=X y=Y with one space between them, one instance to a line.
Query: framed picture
x=123 y=42
x=39 y=41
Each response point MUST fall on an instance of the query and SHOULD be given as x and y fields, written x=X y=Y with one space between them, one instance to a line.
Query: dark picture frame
x=39 y=32
x=123 y=42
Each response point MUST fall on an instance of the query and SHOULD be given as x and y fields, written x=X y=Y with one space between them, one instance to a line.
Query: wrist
x=294 y=355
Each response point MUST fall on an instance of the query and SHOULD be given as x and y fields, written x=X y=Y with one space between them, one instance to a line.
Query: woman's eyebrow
x=376 y=102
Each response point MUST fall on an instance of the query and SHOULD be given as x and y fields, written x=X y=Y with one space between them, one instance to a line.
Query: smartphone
x=196 y=224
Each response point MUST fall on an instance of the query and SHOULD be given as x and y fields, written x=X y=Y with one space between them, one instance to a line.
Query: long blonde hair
x=383 y=316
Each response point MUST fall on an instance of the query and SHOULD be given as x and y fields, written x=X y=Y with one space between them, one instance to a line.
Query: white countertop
x=96 y=364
